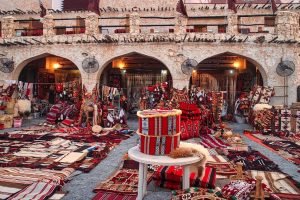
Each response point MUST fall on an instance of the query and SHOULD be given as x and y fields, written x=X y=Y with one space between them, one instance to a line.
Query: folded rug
x=277 y=182
x=36 y=191
x=114 y=196
x=210 y=141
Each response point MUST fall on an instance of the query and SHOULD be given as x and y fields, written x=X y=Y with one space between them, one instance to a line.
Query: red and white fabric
x=36 y=191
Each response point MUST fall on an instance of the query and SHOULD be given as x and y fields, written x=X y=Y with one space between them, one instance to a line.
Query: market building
x=135 y=53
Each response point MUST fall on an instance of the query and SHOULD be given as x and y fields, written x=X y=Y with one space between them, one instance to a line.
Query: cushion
x=238 y=190
x=68 y=122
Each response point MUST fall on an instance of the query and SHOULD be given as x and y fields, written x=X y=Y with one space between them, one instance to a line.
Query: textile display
x=217 y=105
x=253 y=160
x=189 y=129
x=285 y=120
x=239 y=190
x=159 y=131
x=36 y=191
x=209 y=141
x=196 y=193
x=287 y=149
x=7 y=191
x=295 y=120
x=261 y=94
x=124 y=181
x=113 y=196
x=276 y=181
x=28 y=176
x=171 y=177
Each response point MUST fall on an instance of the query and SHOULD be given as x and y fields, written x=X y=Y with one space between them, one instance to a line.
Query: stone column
x=180 y=24
x=8 y=27
x=92 y=24
x=134 y=23
x=232 y=27
x=48 y=25
x=287 y=24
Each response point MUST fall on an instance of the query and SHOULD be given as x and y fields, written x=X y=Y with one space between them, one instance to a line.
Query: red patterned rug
x=113 y=196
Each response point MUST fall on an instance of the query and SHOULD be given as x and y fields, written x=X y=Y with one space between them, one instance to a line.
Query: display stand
x=145 y=159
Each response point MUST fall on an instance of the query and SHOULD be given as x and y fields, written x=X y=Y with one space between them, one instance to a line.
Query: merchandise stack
x=191 y=118
x=159 y=131
x=217 y=105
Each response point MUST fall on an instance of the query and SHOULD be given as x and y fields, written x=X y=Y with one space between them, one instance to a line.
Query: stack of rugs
x=34 y=184
x=171 y=178
x=61 y=111
x=190 y=120
x=217 y=106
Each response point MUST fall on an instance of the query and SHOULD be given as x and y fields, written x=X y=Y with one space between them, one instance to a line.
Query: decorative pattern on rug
x=209 y=141
x=285 y=120
x=196 y=194
x=287 y=149
x=171 y=177
x=253 y=160
x=36 y=191
x=124 y=181
x=276 y=181
x=114 y=196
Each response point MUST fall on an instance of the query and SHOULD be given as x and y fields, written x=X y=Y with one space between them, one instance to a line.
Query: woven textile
x=196 y=193
x=171 y=177
x=123 y=181
x=7 y=191
x=253 y=160
x=239 y=190
x=277 y=182
x=210 y=141
x=285 y=120
x=28 y=176
x=36 y=191
x=113 y=196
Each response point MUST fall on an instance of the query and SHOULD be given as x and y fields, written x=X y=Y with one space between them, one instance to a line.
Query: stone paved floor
x=81 y=185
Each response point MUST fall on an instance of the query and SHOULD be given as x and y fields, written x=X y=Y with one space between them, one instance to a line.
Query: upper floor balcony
x=283 y=24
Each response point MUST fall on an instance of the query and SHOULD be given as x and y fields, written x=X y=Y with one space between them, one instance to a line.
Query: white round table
x=145 y=159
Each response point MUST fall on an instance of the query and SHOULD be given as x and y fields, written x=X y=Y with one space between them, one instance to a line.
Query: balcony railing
x=147 y=24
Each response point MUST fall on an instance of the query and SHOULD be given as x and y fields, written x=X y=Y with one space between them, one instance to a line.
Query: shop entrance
x=52 y=79
x=228 y=73
x=127 y=77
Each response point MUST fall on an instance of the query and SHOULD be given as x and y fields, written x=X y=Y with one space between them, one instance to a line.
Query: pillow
x=68 y=122
x=238 y=190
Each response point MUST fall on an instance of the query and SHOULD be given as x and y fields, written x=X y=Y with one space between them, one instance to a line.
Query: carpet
x=253 y=160
x=276 y=181
x=36 y=191
x=285 y=148
x=114 y=196
x=209 y=141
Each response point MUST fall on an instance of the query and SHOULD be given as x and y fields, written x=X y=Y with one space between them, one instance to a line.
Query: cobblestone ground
x=82 y=184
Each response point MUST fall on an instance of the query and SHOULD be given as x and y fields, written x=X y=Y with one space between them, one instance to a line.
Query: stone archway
x=107 y=62
x=20 y=66
x=257 y=64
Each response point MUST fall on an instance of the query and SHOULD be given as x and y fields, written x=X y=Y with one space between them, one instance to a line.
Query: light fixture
x=231 y=71
x=236 y=64
x=194 y=71
x=164 y=71
x=56 y=66
x=121 y=64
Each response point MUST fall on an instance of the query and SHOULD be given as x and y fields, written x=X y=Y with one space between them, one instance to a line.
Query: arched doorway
x=131 y=74
x=230 y=73
x=52 y=78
